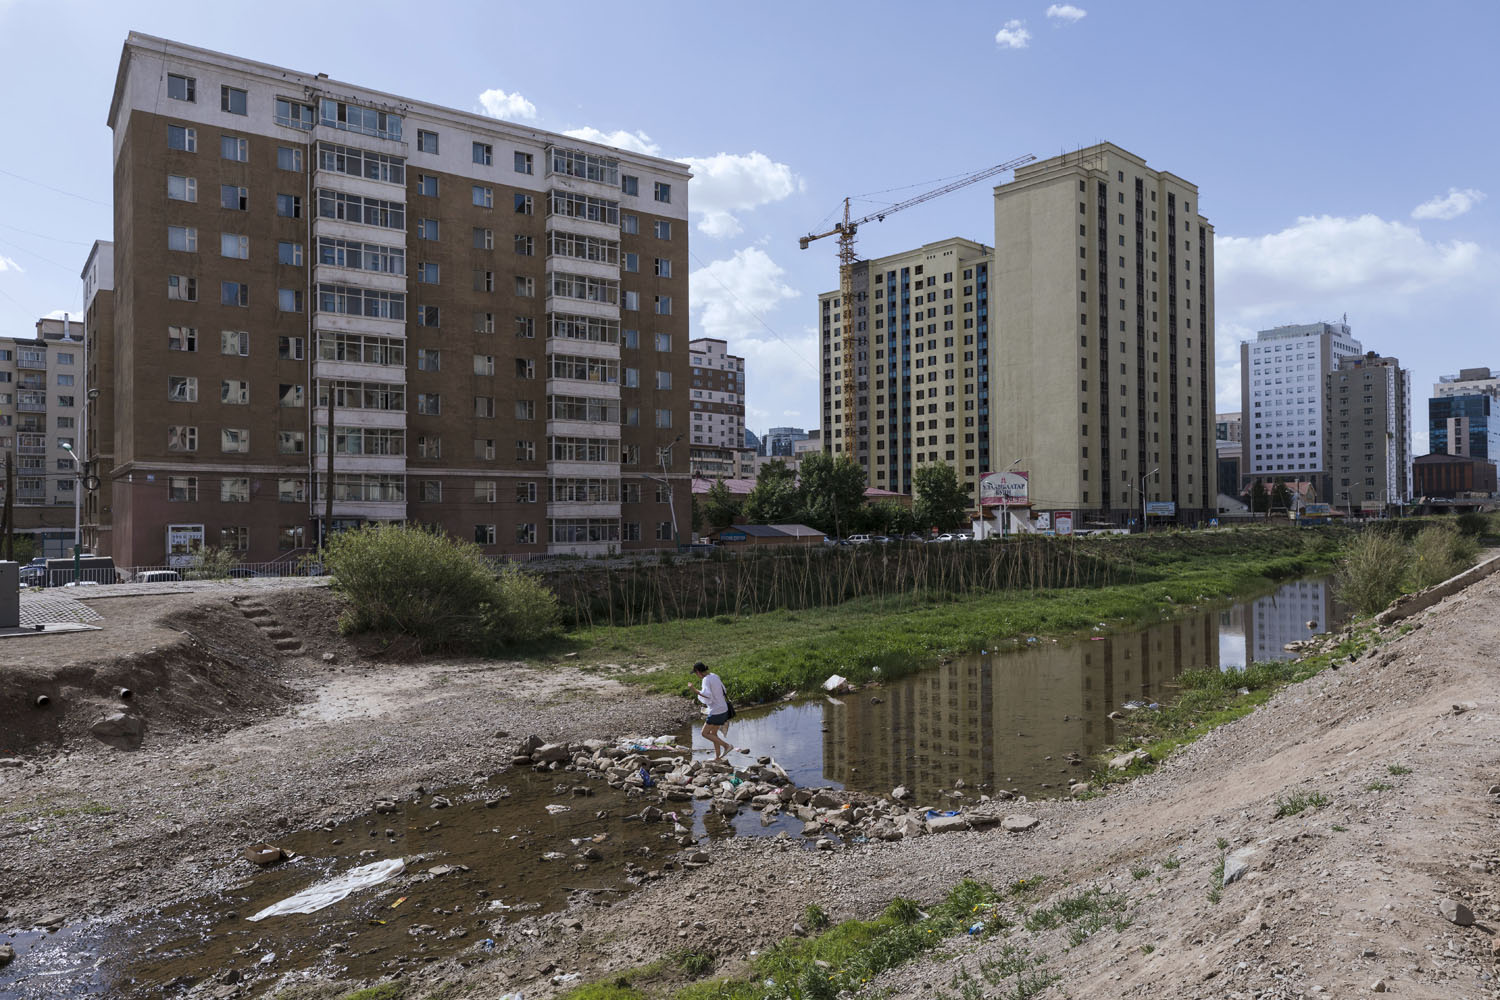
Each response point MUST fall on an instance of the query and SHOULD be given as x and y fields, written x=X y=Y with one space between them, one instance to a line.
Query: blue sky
x=1343 y=150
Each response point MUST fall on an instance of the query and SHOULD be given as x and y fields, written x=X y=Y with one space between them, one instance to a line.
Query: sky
x=1343 y=149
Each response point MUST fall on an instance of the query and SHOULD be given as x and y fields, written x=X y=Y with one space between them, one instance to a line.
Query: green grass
x=764 y=656
x=1216 y=877
x=1299 y=802
x=1339 y=829
x=1172 y=863
x=814 y=918
x=1139 y=872
x=614 y=989
x=1379 y=786
x=1398 y=770
x=385 y=991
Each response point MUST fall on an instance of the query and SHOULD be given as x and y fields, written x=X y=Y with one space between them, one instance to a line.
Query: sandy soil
x=1335 y=899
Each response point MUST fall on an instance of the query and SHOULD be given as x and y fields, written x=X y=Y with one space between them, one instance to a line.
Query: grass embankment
x=847 y=956
x=764 y=656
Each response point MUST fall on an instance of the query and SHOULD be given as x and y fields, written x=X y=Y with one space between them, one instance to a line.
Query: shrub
x=211 y=563
x=1370 y=576
x=441 y=593
x=1438 y=552
x=1473 y=524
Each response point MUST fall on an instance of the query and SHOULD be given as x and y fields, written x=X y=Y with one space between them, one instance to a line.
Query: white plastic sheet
x=323 y=894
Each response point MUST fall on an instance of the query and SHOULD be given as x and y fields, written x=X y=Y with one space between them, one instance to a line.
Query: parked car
x=945 y=537
x=159 y=576
x=880 y=539
x=859 y=539
x=33 y=575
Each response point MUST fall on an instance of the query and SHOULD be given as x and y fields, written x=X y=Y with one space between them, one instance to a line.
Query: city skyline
x=1322 y=184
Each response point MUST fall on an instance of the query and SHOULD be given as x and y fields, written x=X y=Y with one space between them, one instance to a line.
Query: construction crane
x=845 y=231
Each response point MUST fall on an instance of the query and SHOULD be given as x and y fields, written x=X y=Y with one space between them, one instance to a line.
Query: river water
x=1003 y=718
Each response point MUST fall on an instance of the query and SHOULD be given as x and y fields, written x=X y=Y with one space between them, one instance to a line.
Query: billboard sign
x=1062 y=522
x=1161 y=508
x=183 y=542
x=1043 y=522
x=1004 y=489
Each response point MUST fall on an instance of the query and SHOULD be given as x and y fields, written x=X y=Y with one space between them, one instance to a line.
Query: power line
x=758 y=317
x=44 y=236
x=49 y=187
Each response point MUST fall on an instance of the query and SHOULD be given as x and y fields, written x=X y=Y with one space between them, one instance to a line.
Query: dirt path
x=1335 y=898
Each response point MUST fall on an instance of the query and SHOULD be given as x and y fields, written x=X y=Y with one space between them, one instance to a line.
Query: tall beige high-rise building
x=923 y=356
x=1102 y=342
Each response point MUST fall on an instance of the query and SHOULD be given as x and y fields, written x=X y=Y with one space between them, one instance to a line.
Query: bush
x=1370 y=576
x=1438 y=552
x=441 y=593
x=1473 y=524
x=210 y=564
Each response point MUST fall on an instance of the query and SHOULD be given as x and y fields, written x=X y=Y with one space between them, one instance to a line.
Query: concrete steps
x=282 y=638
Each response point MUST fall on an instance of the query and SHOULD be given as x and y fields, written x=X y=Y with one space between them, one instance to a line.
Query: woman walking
x=716 y=703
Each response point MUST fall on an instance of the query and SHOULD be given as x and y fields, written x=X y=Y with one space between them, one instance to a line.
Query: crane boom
x=845 y=230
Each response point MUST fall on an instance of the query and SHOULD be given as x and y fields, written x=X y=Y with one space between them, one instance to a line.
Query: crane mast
x=846 y=230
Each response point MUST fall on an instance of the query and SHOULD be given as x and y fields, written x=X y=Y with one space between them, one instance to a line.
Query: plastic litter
x=976 y=928
x=566 y=978
x=553 y=808
x=1096 y=638
x=399 y=902
x=834 y=682
x=488 y=944
x=323 y=894
x=646 y=778
x=935 y=813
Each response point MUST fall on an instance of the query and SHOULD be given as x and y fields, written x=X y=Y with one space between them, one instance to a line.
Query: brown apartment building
x=498 y=316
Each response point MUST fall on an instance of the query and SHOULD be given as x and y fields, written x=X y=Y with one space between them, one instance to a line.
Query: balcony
x=37 y=364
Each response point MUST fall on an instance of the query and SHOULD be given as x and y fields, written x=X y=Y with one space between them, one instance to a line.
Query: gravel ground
x=1335 y=899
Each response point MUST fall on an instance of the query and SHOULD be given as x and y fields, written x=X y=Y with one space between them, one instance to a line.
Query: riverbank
x=765 y=656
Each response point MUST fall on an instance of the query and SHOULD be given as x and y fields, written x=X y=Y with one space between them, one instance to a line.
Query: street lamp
x=77 y=509
x=671 y=505
x=1142 y=490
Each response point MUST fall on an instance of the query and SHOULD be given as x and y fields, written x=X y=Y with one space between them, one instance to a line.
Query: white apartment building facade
x=41 y=403
x=717 y=441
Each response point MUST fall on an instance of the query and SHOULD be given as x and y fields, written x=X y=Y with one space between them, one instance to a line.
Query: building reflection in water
x=996 y=718
x=1279 y=618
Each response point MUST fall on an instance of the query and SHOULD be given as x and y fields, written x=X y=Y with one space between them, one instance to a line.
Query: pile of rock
x=662 y=774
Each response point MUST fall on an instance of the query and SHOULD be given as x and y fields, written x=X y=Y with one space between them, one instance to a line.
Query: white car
x=859 y=539
x=159 y=576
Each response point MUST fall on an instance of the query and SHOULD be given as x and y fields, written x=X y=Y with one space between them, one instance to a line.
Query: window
x=429 y=316
x=233 y=100
x=183 y=238
x=525 y=493
x=289 y=158
x=525 y=287
x=663 y=305
x=630 y=531
x=662 y=229
x=361 y=256
x=484 y=153
x=183 y=138
x=429 y=404
x=525 y=327
x=429 y=359
x=523 y=163
x=180 y=438
x=523 y=204
x=663 y=267
x=289 y=300
x=294 y=114
x=366 y=210
x=236 y=199
x=525 y=368
x=484 y=364
x=427 y=142
x=182 y=338
x=630 y=378
x=289 y=348
x=289 y=253
x=234 y=441
x=182 y=489
x=484 y=534
x=429 y=446
x=484 y=449
x=484 y=239
x=182 y=389
x=182 y=88
x=664 y=531
x=525 y=451
x=235 y=342
x=630 y=225
x=234 y=391
x=484 y=407
x=663 y=341
x=289 y=206
x=630 y=184
x=294 y=536
x=182 y=188
x=234 y=245
x=663 y=380
x=663 y=192
x=664 y=418
x=234 y=293
x=525 y=409
x=364 y=121
x=630 y=263
x=526 y=534
x=630 y=300
x=427 y=273
x=64 y=379
x=630 y=338
x=427 y=229
x=525 y=246
x=427 y=185
x=483 y=196
x=290 y=395
x=231 y=148
x=291 y=442
x=361 y=163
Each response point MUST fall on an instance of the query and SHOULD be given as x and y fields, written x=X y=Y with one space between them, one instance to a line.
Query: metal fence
x=54 y=574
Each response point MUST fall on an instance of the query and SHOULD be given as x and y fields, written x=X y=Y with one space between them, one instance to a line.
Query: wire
x=72 y=269
x=44 y=236
x=49 y=187
x=758 y=317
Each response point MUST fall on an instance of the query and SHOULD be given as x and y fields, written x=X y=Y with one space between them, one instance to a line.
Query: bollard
x=10 y=594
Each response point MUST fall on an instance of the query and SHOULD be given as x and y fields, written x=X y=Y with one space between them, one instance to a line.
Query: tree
x=719 y=508
x=1281 y=497
x=1258 y=499
x=941 y=503
x=833 y=493
x=892 y=517
x=776 y=498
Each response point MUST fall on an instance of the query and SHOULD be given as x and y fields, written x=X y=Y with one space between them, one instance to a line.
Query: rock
x=1017 y=822
x=119 y=730
x=947 y=824
x=549 y=752
x=1494 y=789
x=592 y=854
x=698 y=858
x=825 y=800
x=327 y=657
x=982 y=820
x=52 y=921
x=438 y=802
x=1467 y=706
x=1378 y=986
x=7 y=955
x=910 y=826
x=825 y=844
x=901 y=793
x=1125 y=760
x=1456 y=913
x=385 y=806
x=529 y=744
x=11 y=762
x=262 y=854
x=1078 y=788
x=651 y=814
x=553 y=856
x=1237 y=864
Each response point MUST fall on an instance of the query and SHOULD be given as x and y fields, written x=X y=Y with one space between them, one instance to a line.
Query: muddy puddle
x=480 y=869
x=1010 y=717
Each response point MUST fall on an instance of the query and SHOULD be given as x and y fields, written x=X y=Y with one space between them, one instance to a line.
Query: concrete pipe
x=42 y=701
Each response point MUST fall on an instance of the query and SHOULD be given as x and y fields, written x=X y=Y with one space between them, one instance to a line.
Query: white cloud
x=726 y=183
x=8 y=264
x=513 y=107
x=1066 y=12
x=636 y=142
x=1449 y=206
x=1013 y=36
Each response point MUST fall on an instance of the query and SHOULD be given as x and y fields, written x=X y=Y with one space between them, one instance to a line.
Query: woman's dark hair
x=699 y=668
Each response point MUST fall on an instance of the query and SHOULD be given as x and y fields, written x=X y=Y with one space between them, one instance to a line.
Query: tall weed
x=1438 y=552
x=1374 y=566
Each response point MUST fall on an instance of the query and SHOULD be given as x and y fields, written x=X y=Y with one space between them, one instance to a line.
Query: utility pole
x=8 y=520
x=328 y=486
